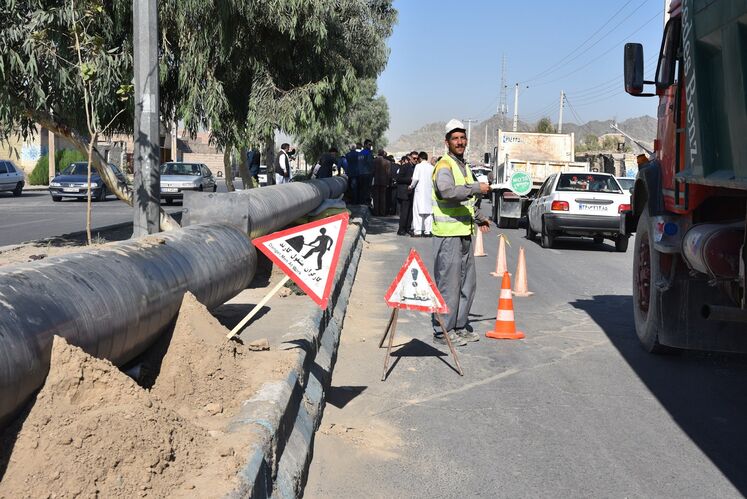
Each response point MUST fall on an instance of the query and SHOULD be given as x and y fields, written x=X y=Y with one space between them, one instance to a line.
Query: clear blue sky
x=445 y=59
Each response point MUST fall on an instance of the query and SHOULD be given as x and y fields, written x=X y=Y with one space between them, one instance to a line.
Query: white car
x=11 y=178
x=579 y=204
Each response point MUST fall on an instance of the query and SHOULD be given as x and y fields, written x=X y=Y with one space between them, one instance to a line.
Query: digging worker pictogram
x=454 y=216
x=323 y=244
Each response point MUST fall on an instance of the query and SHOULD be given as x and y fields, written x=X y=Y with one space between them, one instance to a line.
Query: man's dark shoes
x=455 y=340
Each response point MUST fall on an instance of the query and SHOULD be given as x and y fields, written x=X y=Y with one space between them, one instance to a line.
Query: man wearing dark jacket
x=405 y=194
x=381 y=180
x=327 y=163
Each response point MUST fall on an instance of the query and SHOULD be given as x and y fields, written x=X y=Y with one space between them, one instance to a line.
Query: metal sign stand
x=391 y=328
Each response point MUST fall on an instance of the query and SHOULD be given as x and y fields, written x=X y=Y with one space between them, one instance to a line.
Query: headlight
x=94 y=185
x=55 y=184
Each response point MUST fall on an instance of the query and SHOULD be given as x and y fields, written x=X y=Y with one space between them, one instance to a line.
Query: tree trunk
x=246 y=179
x=269 y=154
x=122 y=192
x=228 y=168
x=91 y=148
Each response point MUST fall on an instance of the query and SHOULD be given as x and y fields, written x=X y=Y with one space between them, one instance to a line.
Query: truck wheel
x=646 y=272
x=531 y=235
x=547 y=239
x=621 y=244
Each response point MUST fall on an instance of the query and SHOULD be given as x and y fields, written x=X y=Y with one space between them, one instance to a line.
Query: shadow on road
x=383 y=225
x=704 y=393
x=340 y=396
x=417 y=348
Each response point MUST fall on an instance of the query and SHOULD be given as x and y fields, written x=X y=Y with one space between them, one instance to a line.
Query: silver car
x=11 y=178
x=177 y=177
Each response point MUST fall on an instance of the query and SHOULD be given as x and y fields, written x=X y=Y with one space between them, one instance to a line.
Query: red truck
x=689 y=206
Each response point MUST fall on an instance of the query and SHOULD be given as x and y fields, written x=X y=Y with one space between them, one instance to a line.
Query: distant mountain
x=430 y=137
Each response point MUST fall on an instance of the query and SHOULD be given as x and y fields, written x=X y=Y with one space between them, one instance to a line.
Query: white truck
x=520 y=163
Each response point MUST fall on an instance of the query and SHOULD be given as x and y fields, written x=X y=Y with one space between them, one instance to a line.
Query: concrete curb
x=288 y=412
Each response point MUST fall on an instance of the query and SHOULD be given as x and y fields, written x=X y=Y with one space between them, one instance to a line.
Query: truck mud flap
x=684 y=325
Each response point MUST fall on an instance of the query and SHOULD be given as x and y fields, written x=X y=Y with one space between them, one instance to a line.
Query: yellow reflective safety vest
x=452 y=218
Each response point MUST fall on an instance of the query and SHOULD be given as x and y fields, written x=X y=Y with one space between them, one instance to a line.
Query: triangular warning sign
x=308 y=254
x=413 y=288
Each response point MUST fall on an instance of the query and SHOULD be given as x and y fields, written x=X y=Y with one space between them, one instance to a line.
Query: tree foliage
x=545 y=125
x=241 y=68
x=367 y=117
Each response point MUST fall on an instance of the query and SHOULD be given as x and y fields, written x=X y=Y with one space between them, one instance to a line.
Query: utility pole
x=516 y=108
x=503 y=102
x=146 y=187
x=560 y=116
x=486 y=138
x=469 y=133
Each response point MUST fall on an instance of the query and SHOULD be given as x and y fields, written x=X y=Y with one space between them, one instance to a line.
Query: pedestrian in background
x=365 y=173
x=381 y=181
x=352 y=172
x=282 y=165
x=391 y=191
x=454 y=216
x=327 y=163
x=405 y=193
x=422 y=186
x=253 y=160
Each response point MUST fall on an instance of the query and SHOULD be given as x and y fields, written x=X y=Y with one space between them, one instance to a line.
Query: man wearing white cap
x=454 y=216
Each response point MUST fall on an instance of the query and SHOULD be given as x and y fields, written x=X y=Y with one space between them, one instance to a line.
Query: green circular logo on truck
x=520 y=183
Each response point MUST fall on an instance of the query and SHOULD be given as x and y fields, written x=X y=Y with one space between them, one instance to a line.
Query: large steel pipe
x=113 y=302
x=261 y=211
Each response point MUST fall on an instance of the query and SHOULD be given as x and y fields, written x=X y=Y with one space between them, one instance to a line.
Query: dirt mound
x=202 y=372
x=93 y=432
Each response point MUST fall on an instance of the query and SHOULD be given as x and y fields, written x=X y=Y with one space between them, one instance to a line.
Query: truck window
x=668 y=54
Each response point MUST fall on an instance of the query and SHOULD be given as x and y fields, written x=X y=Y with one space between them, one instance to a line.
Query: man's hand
x=484 y=226
x=484 y=188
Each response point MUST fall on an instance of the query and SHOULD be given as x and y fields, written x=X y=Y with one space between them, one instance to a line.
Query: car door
x=5 y=180
x=541 y=202
x=207 y=178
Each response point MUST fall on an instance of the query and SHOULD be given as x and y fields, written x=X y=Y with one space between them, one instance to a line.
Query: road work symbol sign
x=308 y=254
x=413 y=288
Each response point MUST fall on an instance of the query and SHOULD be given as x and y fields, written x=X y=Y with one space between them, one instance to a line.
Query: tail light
x=559 y=206
x=623 y=207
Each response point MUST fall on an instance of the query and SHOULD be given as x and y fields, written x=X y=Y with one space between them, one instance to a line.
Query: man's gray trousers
x=454 y=273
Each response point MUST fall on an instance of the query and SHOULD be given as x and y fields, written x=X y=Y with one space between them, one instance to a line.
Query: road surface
x=35 y=216
x=577 y=409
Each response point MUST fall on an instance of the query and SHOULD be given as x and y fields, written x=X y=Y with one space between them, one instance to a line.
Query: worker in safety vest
x=454 y=217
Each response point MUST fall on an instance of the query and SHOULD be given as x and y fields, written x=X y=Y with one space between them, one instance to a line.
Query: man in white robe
x=422 y=211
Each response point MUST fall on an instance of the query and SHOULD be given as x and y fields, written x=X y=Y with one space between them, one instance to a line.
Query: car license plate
x=592 y=207
x=169 y=189
x=69 y=189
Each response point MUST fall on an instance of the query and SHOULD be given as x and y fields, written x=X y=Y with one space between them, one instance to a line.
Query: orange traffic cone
x=505 y=327
x=521 y=288
x=479 y=249
x=500 y=260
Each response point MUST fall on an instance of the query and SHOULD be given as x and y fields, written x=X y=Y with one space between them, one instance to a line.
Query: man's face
x=457 y=143
x=414 y=159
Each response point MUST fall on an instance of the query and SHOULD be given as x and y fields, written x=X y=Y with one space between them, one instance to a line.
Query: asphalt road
x=35 y=216
x=577 y=409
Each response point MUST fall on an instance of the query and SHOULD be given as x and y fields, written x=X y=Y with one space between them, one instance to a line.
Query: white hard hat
x=454 y=124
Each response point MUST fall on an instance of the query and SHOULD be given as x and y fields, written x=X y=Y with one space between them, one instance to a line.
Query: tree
x=367 y=117
x=544 y=125
x=591 y=142
x=242 y=69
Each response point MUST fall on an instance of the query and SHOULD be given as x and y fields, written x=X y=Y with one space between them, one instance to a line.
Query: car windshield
x=588 y=182
x=190 y=169
x=626 y=183
x=78 y=169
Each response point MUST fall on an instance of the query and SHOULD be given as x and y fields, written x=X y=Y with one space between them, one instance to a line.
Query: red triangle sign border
x=260 y=244
x=413 y=255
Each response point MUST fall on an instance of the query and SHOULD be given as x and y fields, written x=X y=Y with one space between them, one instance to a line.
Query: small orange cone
x=500 y=260
x=479 y=249
x=505 y=327
x=521 y=288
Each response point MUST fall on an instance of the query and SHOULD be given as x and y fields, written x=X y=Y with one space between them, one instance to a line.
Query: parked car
x=177 y=177
x=579 y=204
x=11 y=178
x=72 y=182
x=626 y=183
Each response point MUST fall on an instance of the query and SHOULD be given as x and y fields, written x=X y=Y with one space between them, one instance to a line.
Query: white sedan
x=579 y=204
